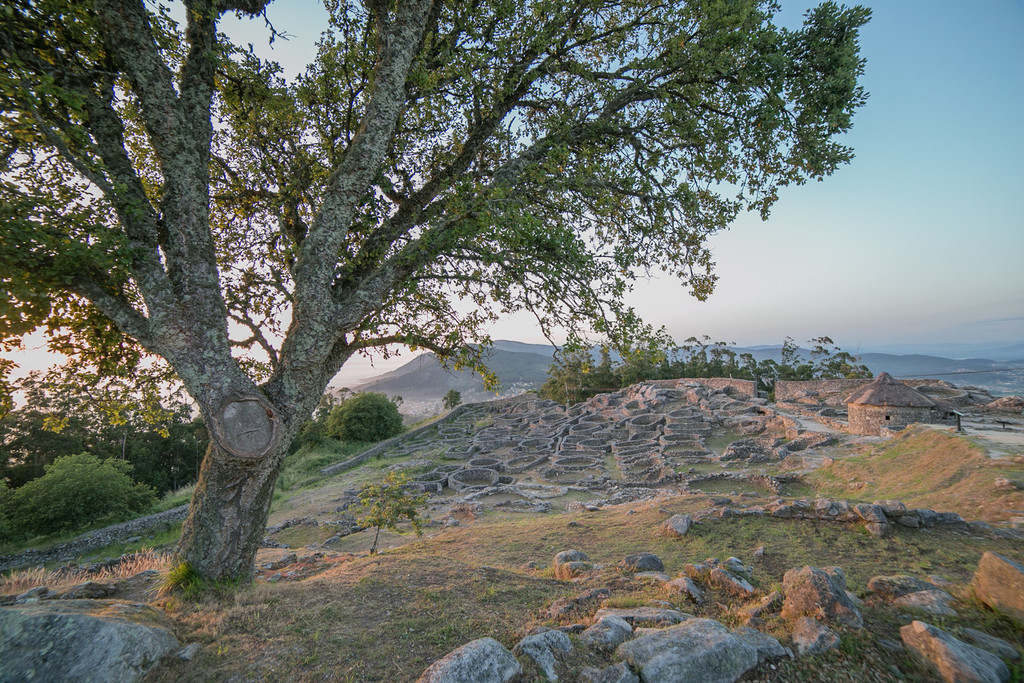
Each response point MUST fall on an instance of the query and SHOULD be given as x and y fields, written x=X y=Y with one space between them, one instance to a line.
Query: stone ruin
x=521 y=453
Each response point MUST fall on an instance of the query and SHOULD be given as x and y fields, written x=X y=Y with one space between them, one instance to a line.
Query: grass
x=62 y=578
x=385 y=618
x=305 y=464
x=926 y=468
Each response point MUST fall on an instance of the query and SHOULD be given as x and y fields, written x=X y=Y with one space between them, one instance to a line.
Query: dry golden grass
x=62 y=578
x=930 y=469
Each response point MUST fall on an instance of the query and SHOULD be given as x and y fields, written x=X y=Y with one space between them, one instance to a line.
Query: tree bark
x=228 y=514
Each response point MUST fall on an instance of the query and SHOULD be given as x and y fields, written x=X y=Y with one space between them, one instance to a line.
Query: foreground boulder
x=542 y=649
x=955 y=660
x=570 y=563
x=813 y=592
x=483 y=660
x=999 y=583
x=696 y=651
x=81 y=640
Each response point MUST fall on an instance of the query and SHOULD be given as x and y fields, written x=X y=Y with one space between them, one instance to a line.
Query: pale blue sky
x=920 y=239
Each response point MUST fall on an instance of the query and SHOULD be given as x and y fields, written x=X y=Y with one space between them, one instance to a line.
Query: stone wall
x=738 y=387
x=832 y=391
x=871 y=420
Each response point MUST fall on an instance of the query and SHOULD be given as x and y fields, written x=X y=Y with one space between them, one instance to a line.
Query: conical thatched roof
x=885 y=391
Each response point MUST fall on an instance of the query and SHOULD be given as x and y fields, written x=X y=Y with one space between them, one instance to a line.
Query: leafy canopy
x=164 y=191
x=365 y=417
x=387 y=503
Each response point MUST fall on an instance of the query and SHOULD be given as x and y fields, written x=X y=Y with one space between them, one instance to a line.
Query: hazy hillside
x=523 y=366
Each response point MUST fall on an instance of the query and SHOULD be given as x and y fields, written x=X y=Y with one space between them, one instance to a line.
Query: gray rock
x=954 y=660
x=686 y=586
x=542 y=647
x=699 y=650
x=90 y=590
x=766 y=646
x=188 y=652
x=644 y=616
x=570 y=563
x=659 y=577
x=766 y=605
x=607 y=633
x=729 y=582
x=893 y=508
x=484 y=660
x=812 y=592
x=811 y=637
x=878 y=530
x=642 y=562
x=565 y=606
x=32 y=595
x=931 y=601
x=82 y=640
x=891 y=587
x=999 y=583
x=996 y=646
x=678 y=525
x=871 y=513
x=619 y=673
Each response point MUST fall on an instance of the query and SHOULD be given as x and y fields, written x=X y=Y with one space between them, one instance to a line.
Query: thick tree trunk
x=228 y=514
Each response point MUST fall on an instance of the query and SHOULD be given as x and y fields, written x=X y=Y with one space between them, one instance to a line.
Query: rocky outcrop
x=697 y=651
x=543 y=648
x=954 y=660
x=999 y=583
x=607 y=633
x=81 y=640
x=821 y=594
x=484 y=660
x=811 y=637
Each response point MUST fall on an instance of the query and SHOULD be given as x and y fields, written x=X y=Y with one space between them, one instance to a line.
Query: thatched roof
x=885 y=391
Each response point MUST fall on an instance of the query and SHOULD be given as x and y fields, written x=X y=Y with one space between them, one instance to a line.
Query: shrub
x=76 y=491
x=365 y=417
x=388 y=503
x=451 y=399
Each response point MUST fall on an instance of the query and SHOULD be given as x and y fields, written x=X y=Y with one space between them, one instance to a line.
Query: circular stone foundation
x=472 y=476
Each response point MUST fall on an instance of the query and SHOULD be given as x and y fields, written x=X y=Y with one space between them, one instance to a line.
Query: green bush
x=365 y=417
x=76 y=491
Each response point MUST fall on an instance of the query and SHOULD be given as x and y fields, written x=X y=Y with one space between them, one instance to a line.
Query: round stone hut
x=886 y=404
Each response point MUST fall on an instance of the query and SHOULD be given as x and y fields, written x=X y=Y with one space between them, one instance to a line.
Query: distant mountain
x=999 y=351
x=425 y=379
x=522 y=366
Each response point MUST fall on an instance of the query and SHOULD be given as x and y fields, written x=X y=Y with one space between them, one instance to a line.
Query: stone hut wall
x=871 y=420
x=832 y=391
x=739 y=387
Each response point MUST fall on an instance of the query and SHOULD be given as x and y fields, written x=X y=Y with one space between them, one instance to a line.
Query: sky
x=919 y=240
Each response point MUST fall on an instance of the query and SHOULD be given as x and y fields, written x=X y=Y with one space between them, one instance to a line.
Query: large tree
x=440 y=164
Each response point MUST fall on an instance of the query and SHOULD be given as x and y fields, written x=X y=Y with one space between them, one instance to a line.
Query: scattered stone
x=95 y=640
x=32 y=595
x=729 y=582
x=932 y=601
x=89 y=590
x=892 y=508
x=660 y=577
x=619 y=673
x=699 y=650
x=999 y=583
x=811 y=637
x=542 y=647
x=766 y=646
x=877 y=530
x=484 y=660
x=1004 y=484
x=678 y=525
x=607 y=633
x=996 y=646
x=871 y=513
x=769 y=604
x=686 y=586
x=955 y=660
x=642 y=562
x=758 y=551
x=810 y=591
x=891 y=587
x=644 y=616
x=562 y=607
x=571 y=563
x=573 y=524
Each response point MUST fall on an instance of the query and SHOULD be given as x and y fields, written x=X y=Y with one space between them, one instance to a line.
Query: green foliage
x=452 y=399
x=574 y=376
x=387 y=503
x=76 y=491
x=365 y=417
x=68 y=415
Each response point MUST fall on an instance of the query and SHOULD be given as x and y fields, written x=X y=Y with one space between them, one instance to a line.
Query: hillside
x=514 y=483
x=522 y=367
